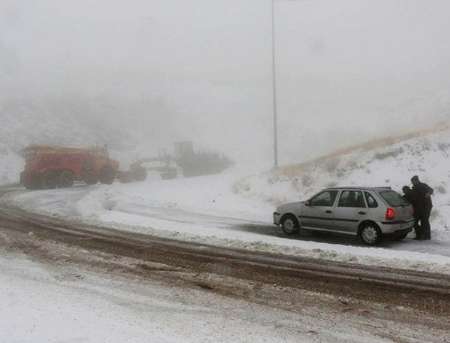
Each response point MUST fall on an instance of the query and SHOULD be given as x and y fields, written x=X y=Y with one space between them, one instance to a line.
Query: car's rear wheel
x=290 y=225
x=370 y=234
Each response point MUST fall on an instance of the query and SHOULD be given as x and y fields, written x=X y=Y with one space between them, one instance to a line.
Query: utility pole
x=274 y=89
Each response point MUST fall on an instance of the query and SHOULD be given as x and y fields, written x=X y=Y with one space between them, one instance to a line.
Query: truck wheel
x=370 y=234
x=33 y=183
x=107 y=175
x=87 y=173
x=51 y=180
x=140 y=174
x=290 y=225
x=66 y=179
x=90 y=179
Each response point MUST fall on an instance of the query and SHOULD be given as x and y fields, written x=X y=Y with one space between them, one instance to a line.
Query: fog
x=149 y=73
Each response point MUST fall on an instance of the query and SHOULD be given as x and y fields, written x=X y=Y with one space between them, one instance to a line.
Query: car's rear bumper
x=398 y=233
x=276 y=218
x=397 y=226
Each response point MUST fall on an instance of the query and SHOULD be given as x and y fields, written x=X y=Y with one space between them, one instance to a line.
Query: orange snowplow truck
x=48 y=167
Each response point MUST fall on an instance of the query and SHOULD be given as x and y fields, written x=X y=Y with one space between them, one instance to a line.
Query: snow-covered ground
x=47 y=304
x=63 y=302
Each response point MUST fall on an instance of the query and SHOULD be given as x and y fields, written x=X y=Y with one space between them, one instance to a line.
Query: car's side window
x=371 y=202
x=352 y=199
x=326 y=198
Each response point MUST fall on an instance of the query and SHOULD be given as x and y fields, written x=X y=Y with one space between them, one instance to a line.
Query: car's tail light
x=390 y=214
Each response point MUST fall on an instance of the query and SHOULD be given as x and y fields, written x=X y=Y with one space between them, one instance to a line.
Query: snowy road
x=58 y=286
x=48 y=303
x=179 y=216
x=165 y=217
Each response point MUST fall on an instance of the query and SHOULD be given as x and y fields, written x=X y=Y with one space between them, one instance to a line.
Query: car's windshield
x=393 y=198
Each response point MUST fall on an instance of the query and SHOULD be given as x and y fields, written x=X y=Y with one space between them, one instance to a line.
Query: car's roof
x=359 y=188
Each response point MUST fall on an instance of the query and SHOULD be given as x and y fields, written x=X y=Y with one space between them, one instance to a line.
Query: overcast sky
x=201 y=69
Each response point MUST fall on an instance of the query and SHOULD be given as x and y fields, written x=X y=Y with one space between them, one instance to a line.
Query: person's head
x=406 y=190
x=415 y=180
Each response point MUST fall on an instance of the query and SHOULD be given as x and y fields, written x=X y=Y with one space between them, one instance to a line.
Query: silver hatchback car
x=367 y=212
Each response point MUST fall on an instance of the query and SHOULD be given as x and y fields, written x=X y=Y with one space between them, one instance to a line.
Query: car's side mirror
x=308 y=203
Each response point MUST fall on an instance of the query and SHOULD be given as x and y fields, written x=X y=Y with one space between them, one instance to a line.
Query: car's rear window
x=393 y=198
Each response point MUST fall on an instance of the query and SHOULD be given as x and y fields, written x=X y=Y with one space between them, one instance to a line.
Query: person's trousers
x=424 y=231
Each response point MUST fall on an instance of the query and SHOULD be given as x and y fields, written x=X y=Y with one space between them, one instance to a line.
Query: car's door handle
x=362 y=213
x=328 y=211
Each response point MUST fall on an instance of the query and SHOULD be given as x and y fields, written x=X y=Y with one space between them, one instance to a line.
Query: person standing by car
x=422 y=194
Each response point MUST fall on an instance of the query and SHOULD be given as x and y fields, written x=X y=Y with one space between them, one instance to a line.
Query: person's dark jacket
x=422 y=194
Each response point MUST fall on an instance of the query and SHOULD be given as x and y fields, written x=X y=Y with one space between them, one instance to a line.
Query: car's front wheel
x=290 y=225
x=370 y=234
